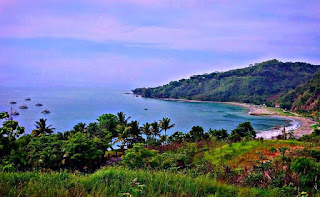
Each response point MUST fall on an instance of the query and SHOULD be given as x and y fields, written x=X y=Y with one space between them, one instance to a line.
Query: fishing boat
x=28 y=99
x=23 y=106
x=14 y=112
x=45 y=111
x=38 y=104
x=13 y=102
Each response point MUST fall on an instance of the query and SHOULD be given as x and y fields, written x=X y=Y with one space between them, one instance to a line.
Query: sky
x=149 y=42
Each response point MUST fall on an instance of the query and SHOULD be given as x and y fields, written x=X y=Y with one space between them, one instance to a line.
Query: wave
x=269 y=134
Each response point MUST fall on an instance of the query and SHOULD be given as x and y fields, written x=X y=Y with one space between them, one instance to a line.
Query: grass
x=114 y=181
x=280 y=111
x=242 y=153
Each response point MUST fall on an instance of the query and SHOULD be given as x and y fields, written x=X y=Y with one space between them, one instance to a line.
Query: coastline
x=299 y=125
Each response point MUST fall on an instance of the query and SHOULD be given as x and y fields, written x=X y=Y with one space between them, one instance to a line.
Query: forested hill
x=262 y=83
x=305 y=98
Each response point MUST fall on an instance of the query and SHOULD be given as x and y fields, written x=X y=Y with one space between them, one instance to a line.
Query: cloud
x=226 y=33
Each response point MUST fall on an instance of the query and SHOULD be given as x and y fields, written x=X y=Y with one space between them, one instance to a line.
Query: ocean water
x=71 y=105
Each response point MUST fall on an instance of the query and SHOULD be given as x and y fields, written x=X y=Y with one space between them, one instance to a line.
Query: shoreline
x=300 y=125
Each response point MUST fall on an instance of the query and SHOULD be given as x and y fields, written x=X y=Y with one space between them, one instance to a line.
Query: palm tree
x=42 y=128
x=165 y=125
x=146 y=129
x=155 y=129
x=124 y=133
x=122 y=118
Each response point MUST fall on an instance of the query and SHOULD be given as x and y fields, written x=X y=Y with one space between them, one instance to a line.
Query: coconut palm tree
x=155 y=129
x=42 y=128
x=124 y=133
x=146 y=129
x=122 y=118
x=165 y=125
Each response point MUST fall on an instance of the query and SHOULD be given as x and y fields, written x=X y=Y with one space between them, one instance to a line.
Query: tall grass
x=113 y=181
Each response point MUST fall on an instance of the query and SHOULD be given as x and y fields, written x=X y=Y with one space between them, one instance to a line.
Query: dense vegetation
x=261 y=83
x=305 y=98
x=197 y=163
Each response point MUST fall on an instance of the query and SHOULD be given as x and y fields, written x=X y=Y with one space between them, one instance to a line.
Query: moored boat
x=23 y=106
x=45 y=111
x=39 y=104
x=15 y=113
x=28 y=99
x=13 y=102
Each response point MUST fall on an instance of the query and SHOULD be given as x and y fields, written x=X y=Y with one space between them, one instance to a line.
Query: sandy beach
x=299 y=125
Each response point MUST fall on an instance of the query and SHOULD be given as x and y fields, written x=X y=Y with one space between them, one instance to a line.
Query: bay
x=71 y=105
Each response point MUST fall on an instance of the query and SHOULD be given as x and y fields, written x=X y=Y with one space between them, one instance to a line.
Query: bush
x=138 y=156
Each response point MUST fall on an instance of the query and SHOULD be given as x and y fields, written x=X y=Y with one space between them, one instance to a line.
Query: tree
x=124 y=133
x=244 y=130
x=138 y=156
x=42 y=128
x=122 y=118
x=109 y=122
x=93 y=129
x=177 y=137
x=146 y=129
x=135 y=134
x=165 y=125
x=45 y=151
x=221 y=134
x=155 y=129
x=9 y=132
x=308 y=170
x=80 y=151
x=196 y=133
x=80 y=127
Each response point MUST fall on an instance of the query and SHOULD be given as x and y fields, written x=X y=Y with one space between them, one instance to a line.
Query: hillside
x=305 y=98
x=263 y=82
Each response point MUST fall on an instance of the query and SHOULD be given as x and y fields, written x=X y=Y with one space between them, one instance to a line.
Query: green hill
x=305 y=98
x=262 y=83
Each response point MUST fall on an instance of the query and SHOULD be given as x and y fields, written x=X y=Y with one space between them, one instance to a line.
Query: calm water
x=71 y=105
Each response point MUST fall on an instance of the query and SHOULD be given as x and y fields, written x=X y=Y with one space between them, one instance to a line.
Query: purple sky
x=149 y=42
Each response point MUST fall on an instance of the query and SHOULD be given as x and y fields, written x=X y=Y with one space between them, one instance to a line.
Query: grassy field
x=243 y=153
x=115 y=182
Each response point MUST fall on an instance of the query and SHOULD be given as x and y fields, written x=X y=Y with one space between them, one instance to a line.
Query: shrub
x=138 y=156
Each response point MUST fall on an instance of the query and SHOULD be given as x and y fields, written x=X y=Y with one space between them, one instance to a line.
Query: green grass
x=113 y=181
x=234 y=152
x=280 y=111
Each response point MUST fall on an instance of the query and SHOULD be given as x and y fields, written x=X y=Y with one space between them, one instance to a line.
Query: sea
x=70 y=105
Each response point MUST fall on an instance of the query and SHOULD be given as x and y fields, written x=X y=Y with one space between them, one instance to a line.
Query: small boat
x=28 y=99
x=13 y=102
x=23 y=107
x=38 y=104
x=15 y=113
x=145 y=109
x=45 y=111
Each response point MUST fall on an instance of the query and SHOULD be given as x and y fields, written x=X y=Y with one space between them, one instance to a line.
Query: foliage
x=261 y=83
x=42 y=128
x=81 y=152
x=305 y=98
x=113 y=181
x=138 y=156
x=243 y=130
